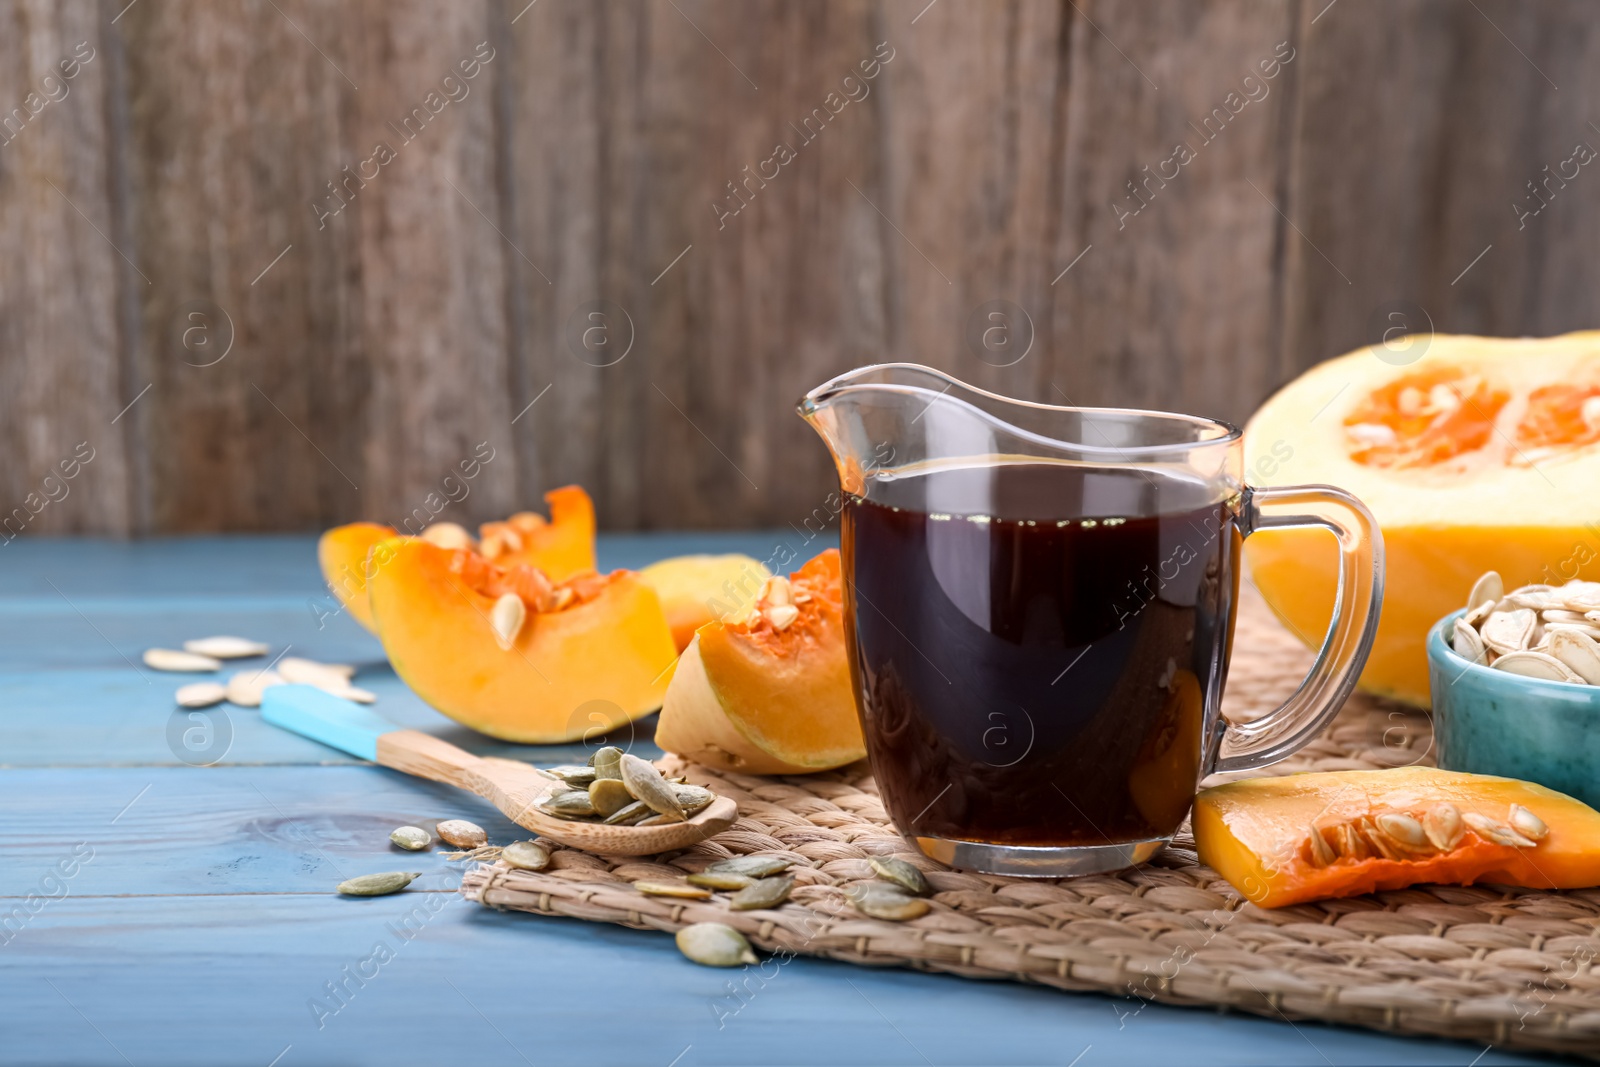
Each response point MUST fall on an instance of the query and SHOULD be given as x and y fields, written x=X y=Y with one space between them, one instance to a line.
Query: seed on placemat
x=377 y=885
x=886 y=902
x=901 y=874
x=715 y=945
x=721 y=880
x=607 y=762
x=411 y=838
x=526 y=855
x=245 y=687
x=767 y=893
x=751 y=866
x=646 y=784
x=167 y=659
x=462 y=834
x=609 y=796
x=200 y=695
x=673 y=889
x=225 y=647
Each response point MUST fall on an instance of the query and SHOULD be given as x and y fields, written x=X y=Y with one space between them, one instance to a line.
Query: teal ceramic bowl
x=1493 y=722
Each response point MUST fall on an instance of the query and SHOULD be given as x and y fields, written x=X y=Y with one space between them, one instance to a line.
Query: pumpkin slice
x=1480 y=454
x=508 y=652
x=769 y=692
x=561 y=547
x=695 y=590
x=1339 y=833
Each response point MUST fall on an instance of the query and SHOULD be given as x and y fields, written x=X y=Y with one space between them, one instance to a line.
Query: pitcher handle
x=1357 y=601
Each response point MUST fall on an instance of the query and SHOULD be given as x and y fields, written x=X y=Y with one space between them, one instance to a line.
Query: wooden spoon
x=515 y=788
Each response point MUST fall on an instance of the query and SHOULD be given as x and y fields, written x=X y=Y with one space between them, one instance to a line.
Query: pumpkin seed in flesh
x=1528 y=824
x=767 y=893
x=377 y=885
x=200 y=695
x=1496 y=832
x=882 y=901
x=721 y=880
x=448 y=535
x=506 y=619
x=1402 y=830
x=646 y=784
x=1443 y=826
x=608 y=796
x=411 y=838
x=1322 y=854
x=461 y=833
x=902 y=874
x=225 y=647
x=714 y=945
x=673 y=889
x=630 y=814
x=167 y=659
x=751 y=866
x=245 y=687
x=526 y=855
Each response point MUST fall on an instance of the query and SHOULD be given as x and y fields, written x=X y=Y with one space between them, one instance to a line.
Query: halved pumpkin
x=561 y=547
x=583 y=657
x=695 y=590
x=1482 y=454
x=768 y=691
x=1304 y=837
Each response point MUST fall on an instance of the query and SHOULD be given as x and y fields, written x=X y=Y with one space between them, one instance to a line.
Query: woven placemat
x=1508 y=967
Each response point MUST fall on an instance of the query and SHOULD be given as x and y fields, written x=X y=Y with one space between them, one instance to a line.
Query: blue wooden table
x=166 y=882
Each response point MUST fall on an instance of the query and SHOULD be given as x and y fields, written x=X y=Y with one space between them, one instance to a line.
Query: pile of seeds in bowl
x=1539 y=631
x=205 y=655
x=620 y=789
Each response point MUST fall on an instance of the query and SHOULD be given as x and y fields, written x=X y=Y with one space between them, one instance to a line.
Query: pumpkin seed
x=526 y=855
x=1379 y=840
x=1496 y=832
x=1509 y=631
x=1467 y=644
x=1322 y=854
x=167 y=659
x=882 y=901
x=1442 y=825
x=377 y=885
x=577 y=777
x=572 y=804
x=310 y=672
x=694 y=798
x=751 y=866
x=461 y=833
x=1486 y=590
x=608 y=796
x=200 y=695
x=659 y=819
x=1348 y=843
x=225 y=647
x=721 y=880
x=245 y=688
x=607 y=762
x=646 y=784
x=1528 y=824
x=1402 y=830
x=714 y=945
x=447 y=535
x=411 y=838
x=902 y=874
x=350 y=692
x=630 y=814
x=1578 y=652
x=673 y=889
x=782 y=616
x=767 y=893
x=1536 y=665
x=506 y=619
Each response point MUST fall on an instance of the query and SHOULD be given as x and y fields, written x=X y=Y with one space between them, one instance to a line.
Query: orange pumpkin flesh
x=695 y=590
x=1256 y=834
x=759 y=698
x=561 y=547
x=602 y=659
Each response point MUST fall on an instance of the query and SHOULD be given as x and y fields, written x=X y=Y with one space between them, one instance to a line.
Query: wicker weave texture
x=1510 y=967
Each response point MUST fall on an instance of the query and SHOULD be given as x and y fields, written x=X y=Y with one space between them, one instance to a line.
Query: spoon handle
x=511 y=789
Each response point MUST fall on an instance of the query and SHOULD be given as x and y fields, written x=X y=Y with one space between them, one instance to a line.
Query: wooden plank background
x=173 y=201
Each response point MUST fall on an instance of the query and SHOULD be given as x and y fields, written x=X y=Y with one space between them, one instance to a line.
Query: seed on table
x=526 y=855
x=411 y=838
x=245 y=687
x=673 y=889
x=714 y=945
x=168 y=659
x=751 y=866
x=767 y=893
x=721 y=880
x=462 y=834
x=607 y=762
x=309 y=672
x=225 y=647
x=200 y=695
x=377 y=885
x=886 y=902
x=901 y=874
x=609 y=796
